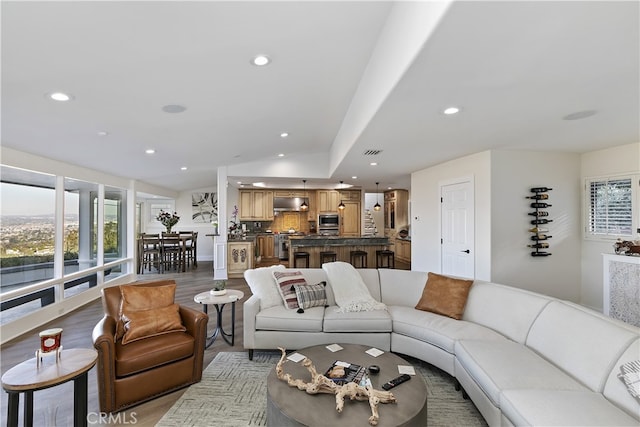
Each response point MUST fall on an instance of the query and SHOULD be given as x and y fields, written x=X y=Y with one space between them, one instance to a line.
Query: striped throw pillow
x=286 y=281
x=311 y=295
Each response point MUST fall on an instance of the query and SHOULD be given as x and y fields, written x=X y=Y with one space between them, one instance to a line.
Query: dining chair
x=150 y=252
x=190 y=242
x=172 y=252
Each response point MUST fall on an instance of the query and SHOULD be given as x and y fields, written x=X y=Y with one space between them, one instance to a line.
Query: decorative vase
x=168 y=229
x=217 y=293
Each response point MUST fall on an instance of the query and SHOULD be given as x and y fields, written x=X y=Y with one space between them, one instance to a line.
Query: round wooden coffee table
x=27 y=377
x=288 y=406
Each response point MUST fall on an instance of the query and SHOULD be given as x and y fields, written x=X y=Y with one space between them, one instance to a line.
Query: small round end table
x=219 y=301
x=27 y=377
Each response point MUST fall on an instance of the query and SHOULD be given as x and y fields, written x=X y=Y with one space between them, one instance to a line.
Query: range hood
x=288 y=204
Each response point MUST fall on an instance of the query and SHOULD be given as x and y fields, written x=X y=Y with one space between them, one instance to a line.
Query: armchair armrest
x=196 y=324
x=103 y=340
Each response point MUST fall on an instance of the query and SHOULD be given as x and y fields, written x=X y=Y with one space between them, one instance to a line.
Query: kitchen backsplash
x=282 y=223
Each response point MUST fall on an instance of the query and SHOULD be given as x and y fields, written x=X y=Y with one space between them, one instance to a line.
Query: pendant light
x=341 y=205
x=377 y=206
x=304 y=206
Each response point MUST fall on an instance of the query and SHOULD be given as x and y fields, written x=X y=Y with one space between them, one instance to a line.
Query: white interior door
x=457 y=235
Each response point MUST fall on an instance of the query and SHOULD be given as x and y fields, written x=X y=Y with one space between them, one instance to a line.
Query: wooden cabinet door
x=258 y=204
x=268 y=248
x=350 y=219
x=268 y=205
x=239 y=258
x=246 y=205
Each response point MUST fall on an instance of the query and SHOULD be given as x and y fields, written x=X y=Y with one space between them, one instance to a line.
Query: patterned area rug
x=233 y=393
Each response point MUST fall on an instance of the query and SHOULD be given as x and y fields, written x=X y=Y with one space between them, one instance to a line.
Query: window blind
x=610 y=207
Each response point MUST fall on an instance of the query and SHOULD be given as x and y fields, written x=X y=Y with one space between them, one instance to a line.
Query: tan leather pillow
x=445 y=295
x=140 y=298
x=149 y=323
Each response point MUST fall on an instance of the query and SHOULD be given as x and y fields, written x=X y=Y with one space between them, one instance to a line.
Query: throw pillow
x=139 y=298
x=286 y=281
x=261 y=282
x=630 y=375
x=150 y=323
x=445 y=295
x=310 y=295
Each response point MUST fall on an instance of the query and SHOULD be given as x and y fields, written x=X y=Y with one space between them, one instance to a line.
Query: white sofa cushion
x=282 y=319
x=581 y=342
x=502 y=365
x=615 y=390
x=263 y=285
x=356 y=321
x=349 y=289
x=561 y=408
x=440 y=331
x=401 y=287
x=507 y=310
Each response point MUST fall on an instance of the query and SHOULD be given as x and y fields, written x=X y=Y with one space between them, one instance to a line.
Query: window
x=610 y=207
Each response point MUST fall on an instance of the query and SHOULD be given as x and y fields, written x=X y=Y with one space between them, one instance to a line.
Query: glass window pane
x=610 y=207
x=80 y=245
x=115 y=224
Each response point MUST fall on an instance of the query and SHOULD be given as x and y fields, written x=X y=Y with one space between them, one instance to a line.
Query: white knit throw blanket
x=350 y=291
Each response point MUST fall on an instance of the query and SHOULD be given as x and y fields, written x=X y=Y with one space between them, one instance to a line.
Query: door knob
x=467 y=251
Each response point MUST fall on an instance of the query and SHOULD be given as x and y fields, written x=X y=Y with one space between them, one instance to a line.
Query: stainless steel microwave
x=328 y=220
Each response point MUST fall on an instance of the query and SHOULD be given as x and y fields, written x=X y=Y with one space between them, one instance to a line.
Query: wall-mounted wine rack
x=540 y=236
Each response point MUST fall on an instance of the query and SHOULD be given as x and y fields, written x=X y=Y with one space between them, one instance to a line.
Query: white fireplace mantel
x=621 y=299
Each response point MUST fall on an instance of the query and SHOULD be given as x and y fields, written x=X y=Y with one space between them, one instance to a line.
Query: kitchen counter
x=342 y=246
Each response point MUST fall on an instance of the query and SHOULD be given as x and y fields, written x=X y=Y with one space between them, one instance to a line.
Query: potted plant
x=219 y=287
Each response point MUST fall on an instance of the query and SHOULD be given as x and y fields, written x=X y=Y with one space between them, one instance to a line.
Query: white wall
x=623 y=159
x=425 y=205
x=513 y=173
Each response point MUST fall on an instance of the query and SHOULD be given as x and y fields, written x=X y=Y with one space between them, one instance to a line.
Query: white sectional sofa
x=523 y=358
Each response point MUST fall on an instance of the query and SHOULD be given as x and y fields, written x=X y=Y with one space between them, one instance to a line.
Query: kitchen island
x=342 y=246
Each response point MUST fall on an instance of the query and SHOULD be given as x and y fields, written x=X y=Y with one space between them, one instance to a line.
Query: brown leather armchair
x=147 y=368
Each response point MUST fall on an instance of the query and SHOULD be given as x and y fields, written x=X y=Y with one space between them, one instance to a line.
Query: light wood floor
x=78 y=325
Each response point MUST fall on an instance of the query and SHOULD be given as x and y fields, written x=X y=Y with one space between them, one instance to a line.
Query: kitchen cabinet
x=256 y=205
x=350 y=219
x=240 y=256
x=265 y=246
x=396 y=211
x=328 y=200
x=289 y=193
x=403 y=250
x=350 y=195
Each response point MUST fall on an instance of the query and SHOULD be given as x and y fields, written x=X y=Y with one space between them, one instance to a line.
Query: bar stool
x=385 y=259
x=360 y=256
x=328 y=256
x=301 y=255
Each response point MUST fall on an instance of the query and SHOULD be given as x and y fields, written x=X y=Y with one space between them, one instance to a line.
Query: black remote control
x=396 y=381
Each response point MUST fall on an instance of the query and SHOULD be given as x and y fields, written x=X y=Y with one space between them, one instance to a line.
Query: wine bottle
x=539 y=245
x=539 y=213
x=540 y=205
x=540 y=189
x=538 y=230
x=540 y=253
x=538 y=197
x=541 y=221
x=541 y=237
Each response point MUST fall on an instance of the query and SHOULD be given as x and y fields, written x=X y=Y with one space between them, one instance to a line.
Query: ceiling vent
x=372 y=152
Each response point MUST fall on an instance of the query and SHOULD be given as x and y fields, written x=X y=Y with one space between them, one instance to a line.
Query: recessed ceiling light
x=284 y=135
x=174 y=108
x=260 y=60
x=354 y=177
x=103 y=133
x=259 y=184
x=60 y=96
x=281 y=155
x=150 y=151
x=239 y=182
x=373 y=164
x=580 y=115
x=183 y=168
x=451 y=110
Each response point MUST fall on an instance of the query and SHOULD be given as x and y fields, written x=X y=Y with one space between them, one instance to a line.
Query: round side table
x=219 y=301
x=27 y=377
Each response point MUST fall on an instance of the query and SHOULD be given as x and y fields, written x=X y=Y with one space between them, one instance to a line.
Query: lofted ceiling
x=346 y=79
